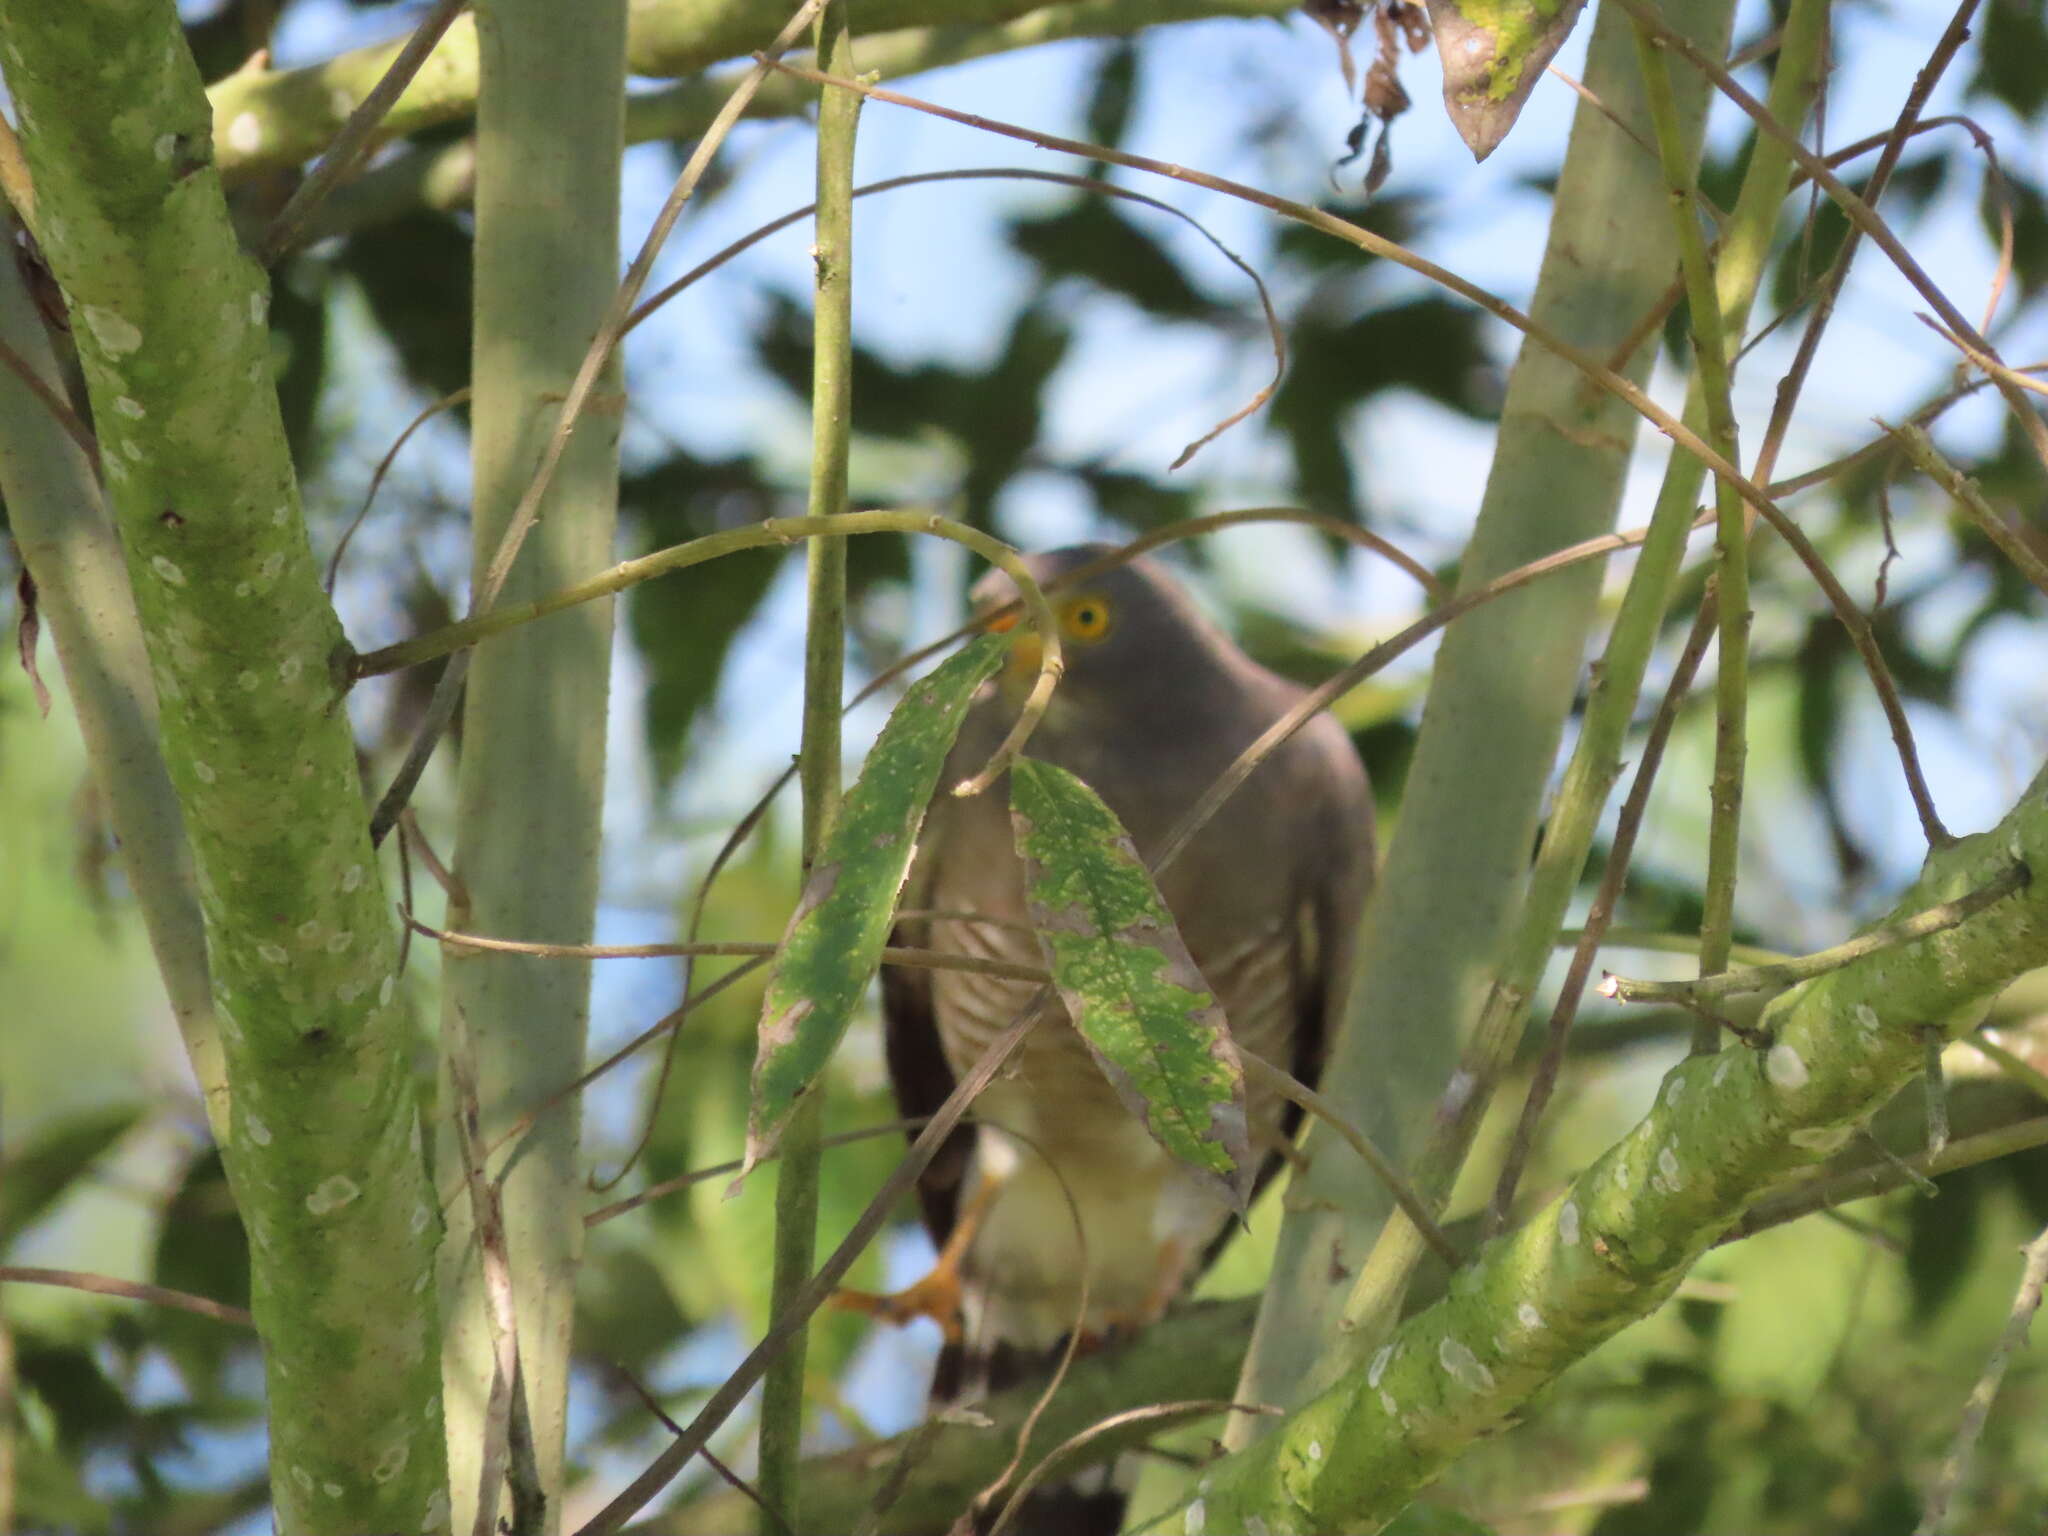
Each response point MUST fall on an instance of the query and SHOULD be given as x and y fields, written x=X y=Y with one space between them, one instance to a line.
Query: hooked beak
x=1027 y=651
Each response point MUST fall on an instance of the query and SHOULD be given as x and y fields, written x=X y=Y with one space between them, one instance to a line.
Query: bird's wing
x=918 y=1072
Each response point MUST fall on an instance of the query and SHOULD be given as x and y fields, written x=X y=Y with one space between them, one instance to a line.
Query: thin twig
x=1977 y=1408
x=697 y=1176
x=1288 y=1086
x=1161 y=1414
x=925 y=959
x=345 y=154
x=1786 y=973
x=1594 y=370
x=1330 y=690
x=726 y=1474
x=1884 y=1174
x=1731 y=529
x=487 y=1219
x=446 y=402
x=129 y=1290
x=50 y=400
x=1860 y=214
x=454 y=640
x=733 y=1391
x=1634 y=806
x=1275 y=332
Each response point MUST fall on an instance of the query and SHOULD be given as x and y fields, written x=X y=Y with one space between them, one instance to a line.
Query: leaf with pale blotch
x=1126 y=976
x=1493 y=53
x=834 y=940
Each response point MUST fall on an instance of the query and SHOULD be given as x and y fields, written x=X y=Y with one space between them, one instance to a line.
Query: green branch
x=272 y=119
x=324 y=1153
x=796 y=1183
x=1611 y=1248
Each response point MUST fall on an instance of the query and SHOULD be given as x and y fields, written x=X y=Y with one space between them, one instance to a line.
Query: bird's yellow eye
x=1085 y=618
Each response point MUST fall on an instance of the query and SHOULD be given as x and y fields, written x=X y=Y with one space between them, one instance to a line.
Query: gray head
x=1131 y=635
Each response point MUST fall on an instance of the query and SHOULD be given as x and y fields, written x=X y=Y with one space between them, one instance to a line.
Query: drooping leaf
x=834 y=941
x=1493 y=53
x=1126 y=977
x=40 y=1174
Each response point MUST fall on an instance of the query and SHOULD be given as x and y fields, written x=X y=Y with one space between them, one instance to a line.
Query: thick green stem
x=796 y=1184
x=1502 y=690
x=530 y=787
x=1723 y=1130
x=67 y=542
x=442 y=176
x=324 y=1151
x=273 y=119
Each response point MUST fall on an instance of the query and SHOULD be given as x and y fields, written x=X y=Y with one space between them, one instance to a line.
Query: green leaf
x=1129 y=983
x=40 y=1174
x=834 y=941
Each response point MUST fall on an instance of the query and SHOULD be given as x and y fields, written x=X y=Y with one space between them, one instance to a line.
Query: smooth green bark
x=530 y=790
x=1457 y=866
x=325 y=1155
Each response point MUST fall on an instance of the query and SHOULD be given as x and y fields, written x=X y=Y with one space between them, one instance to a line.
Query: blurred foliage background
x=1033 y=358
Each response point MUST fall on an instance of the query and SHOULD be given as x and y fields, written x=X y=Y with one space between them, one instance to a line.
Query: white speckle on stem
x=1528 y=1316
x=247 y=681
x=310 y=931
x=1676 y=1091
x=303 y=1478
x=1667 y=1165
x=1785 y=1067
x=167 y=569
x=391 y=1463
x=1721 y=1068
x=384 y=992
x=271 y=568
x=130 y=407
x=274 y=953
x=334 y=1191
x=290 y=668
x=166 y=145
x=258 y=1131
x=1464 y=1367
x=1315 y=1450
x=332 y=1490
x=116 y=334
x=1823 y=1139
x=1568 y=1223
x=420 y=1217
x=1197 y=1519
x=1387 y=1402
x=1378 y=1368
x=203 y=771
x=352 y=878
x=338 y=943
x=245 y=134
